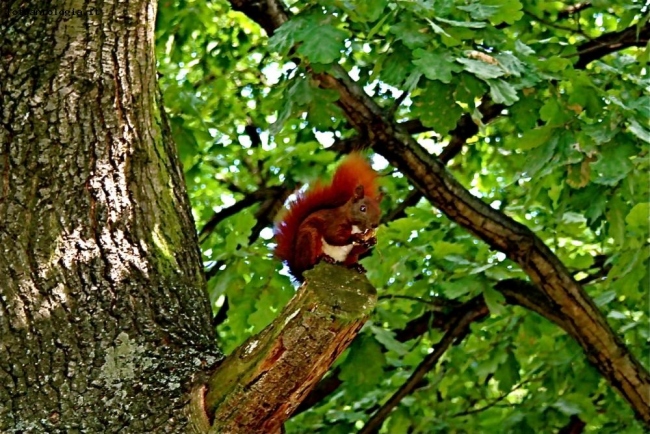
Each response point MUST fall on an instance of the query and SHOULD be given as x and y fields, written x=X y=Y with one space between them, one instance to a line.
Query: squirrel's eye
x=363 y=208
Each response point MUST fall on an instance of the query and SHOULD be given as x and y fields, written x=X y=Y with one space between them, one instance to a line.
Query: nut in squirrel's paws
x=366 y=238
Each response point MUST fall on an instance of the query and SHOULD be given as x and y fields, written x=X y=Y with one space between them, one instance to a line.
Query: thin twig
x=475 y=310
x=248 y=200
x=438 y=304
x=398 y=102
x=494 y=402
x=555 y=26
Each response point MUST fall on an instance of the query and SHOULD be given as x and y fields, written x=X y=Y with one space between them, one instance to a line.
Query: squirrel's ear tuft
x=358 y=192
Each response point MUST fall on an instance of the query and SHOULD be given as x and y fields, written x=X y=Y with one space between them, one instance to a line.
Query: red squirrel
x=335 y=223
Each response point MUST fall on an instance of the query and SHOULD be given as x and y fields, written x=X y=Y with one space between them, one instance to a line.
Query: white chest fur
x=339 y=253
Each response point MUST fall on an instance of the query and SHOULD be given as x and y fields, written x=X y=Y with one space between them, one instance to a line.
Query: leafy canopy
x=566 y=154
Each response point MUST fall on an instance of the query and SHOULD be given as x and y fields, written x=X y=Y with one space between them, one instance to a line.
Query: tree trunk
x=104 y=320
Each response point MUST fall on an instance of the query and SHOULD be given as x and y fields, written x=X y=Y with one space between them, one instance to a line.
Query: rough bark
x=261 y=384
x=584 y=321
x=104 y=320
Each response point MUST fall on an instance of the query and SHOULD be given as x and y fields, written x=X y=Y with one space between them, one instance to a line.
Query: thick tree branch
x=465 y=129
x=516 y=292
x=324 y=388
x=611 y=42
x=258 y=386
x=269 y=14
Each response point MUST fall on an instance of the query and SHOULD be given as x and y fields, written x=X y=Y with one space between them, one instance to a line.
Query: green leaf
x=323 y=114
x=409 y=31
x=639 y=216
x=525 y=113
x=642 y=106
x=387 y=339
x=630 y=281
x=523 y=49
x=509 y=11
x=186 y=141
x=494 y=300
x=301 y=93
x=540 y=156
x=532 y=139
x=481 y=69
x=437 y=29
x=363 y=366
x=264 y=312
x=480 y=11
x=486 y=367
x=437 y=65
x=397 y=66
x=585 y=94
x=614 y=314
x=285 y=112
x=468 y=24
x=442 y=249
x=324 y=44
x=614 y=163
x=555 y=64
x=460 y=287
x=566 y=407
x=636 y=129
x=241 y=231
x=502 y=92
x=605 y=298
x=399 y=421
x=507 y=374
x=369 y=10
x=286 y=36
x=469 y=89
x=616 y=219
x=625 y=263
x=596 y=209
x=436 y=107
x=510 y=63
x=555 y=114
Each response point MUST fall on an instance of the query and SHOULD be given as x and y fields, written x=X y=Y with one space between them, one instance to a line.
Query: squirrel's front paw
x=328 y=259
x=358 y=268
x=370 y=242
